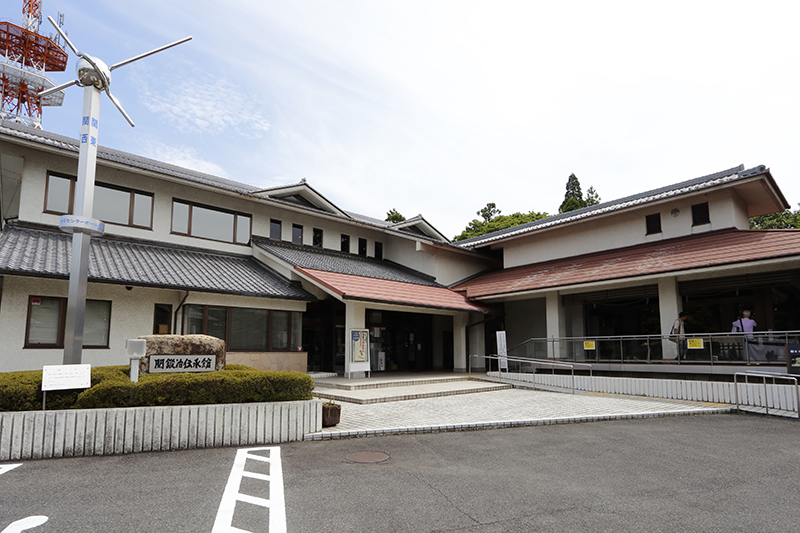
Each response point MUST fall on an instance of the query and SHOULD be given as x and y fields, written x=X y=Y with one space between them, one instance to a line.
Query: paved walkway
x=504 y=408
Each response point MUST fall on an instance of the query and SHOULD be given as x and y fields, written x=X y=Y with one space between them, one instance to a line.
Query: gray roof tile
x=341 y=262
x=46 y=252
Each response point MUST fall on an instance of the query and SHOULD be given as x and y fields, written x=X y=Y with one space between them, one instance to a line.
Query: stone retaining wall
x=83 y=432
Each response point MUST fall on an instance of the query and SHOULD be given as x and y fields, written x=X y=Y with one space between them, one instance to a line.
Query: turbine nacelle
x=92 y=71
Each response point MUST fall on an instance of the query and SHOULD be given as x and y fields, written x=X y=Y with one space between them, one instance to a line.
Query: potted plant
x=330 y=413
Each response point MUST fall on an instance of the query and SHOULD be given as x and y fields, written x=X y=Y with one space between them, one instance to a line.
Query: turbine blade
x=151 y=52
x=64 y=36
x=57 y=88
x=119 y=106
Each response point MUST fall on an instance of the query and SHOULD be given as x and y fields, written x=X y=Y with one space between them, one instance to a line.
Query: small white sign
x=61 y=377
x=182 y=363
x=502 y=350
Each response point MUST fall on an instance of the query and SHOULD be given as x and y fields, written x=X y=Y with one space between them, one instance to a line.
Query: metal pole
x=83 y=205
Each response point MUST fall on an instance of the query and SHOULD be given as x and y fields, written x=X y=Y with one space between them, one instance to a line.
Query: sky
x=439 y=107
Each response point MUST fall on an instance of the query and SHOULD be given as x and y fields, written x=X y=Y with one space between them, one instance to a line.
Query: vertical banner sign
x=358 y=358
x=502 y=351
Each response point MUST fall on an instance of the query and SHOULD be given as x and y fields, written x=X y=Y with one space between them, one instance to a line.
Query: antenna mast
x=26 y=56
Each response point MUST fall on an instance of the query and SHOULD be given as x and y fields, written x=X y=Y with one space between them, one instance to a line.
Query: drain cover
x=367 y=457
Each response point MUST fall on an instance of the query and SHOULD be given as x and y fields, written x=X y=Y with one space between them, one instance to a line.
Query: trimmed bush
x=111 y=387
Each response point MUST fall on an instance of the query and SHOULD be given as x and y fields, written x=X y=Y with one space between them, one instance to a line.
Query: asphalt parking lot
x=725 y=472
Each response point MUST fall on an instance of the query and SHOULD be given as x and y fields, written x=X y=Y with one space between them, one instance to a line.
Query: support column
x=669 y=305
x=477 y=343
x=355 y=317
x=556 y=325
x=460 y=342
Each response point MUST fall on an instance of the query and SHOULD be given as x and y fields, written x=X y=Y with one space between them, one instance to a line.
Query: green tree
x=573 y=192
x=393 y=216
x=489 y=212
x=476 y=227
x=784 y=220
x=592 y=198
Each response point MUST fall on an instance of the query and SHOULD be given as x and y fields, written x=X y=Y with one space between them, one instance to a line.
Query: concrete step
x=383 y=382
x=400 y=391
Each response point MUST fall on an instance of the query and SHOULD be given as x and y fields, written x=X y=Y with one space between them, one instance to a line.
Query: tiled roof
x=390 y=292
x=341 y=262
x=704 y=182
x=712 y=249
x=44 y=252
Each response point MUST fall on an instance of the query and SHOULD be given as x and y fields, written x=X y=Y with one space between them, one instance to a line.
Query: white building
x=281 y=274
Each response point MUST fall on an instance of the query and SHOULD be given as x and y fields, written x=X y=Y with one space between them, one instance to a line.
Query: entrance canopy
x=353 y=277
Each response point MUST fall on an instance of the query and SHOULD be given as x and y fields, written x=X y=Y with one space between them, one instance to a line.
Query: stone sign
x=174 y=351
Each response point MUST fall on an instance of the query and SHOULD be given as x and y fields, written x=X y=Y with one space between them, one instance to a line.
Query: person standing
x=744 y=324
x=680 y=332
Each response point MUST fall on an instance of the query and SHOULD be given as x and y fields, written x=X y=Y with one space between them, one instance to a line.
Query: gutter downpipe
x=178 y=310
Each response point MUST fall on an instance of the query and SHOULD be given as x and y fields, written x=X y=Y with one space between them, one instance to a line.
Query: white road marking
x=6 y=468
x=275 y=503
x=25 y=523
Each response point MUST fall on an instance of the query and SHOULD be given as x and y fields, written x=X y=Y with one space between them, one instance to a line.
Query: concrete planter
x=84 y=432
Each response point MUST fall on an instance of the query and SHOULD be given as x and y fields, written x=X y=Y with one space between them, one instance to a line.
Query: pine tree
x=573 y=192
x=592 y=198
x=393 y=216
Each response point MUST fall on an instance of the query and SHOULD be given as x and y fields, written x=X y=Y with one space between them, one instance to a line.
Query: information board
x=62 y=377
x=502 y=351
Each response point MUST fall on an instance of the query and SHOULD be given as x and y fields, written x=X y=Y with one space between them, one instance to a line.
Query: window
x=46 y=318
x=297 y=234
x=362 y=247
x=378 y=250
x=700 y=214
x=211 y=223
x=345 y=243
x=653 y=223
x=112 y=204
x=317 y=238
x=247 y=330
x=275 y=229
x=162 y=319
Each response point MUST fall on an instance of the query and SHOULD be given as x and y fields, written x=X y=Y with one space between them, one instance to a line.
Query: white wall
x=617 y=230
x=132 y=314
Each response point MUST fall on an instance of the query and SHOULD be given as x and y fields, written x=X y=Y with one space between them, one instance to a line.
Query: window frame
x=275 y=223
x=317 y=237
x=103 y=185
x=191 y=205
x=378 y=250
x=344 y=239
x=296 y=227
x=62 y=320
x=362 y=247
x=648 y=222
x=268 y=332
x=701 y=211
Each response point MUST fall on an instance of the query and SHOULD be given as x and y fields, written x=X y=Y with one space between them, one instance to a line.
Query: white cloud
x=194 y=105
x=183 y=156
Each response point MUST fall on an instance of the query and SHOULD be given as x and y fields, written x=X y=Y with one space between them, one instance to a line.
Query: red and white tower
x=26 y=56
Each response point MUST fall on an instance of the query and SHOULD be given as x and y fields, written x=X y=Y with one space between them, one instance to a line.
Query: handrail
x=765 y=375
x=553 y=364
x=760 y=347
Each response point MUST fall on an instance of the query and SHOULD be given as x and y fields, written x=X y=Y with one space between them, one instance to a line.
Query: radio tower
x=27 y=55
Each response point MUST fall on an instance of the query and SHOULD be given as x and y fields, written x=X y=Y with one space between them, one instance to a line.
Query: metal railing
x=765 y=376
x=762 y=348
x=537 y=362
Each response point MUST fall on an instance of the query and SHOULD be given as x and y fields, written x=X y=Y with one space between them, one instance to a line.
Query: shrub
x=111 y=387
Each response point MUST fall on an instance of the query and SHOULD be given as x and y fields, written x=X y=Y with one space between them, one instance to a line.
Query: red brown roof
x=353 y=287
x=715 y=248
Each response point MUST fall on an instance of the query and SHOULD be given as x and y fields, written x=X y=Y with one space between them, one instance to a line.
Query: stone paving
x=505 y=408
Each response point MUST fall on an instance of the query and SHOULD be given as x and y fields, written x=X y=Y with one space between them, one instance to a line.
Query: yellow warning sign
x=694 y=343
x=588 y=345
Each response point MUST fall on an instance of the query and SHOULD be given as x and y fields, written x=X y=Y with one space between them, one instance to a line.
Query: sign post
x=62 y=377
x=502 y=351
x=357 y=359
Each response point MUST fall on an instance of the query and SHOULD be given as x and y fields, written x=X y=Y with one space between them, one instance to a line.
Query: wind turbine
x=94 y=76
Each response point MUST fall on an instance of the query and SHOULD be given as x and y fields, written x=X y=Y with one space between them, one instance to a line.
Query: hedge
x=111 y=387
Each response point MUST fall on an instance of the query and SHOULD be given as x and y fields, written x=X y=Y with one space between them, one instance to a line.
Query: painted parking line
x=275 y=503
x=6 y=468
x=25 y=524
